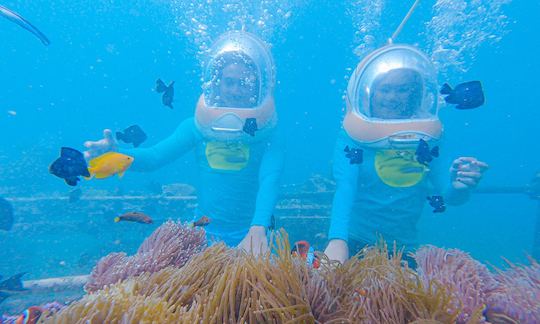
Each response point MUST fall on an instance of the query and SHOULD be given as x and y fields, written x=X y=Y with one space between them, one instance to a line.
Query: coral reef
x=469 y=282
x=172 y=244
x=223 y=285
x=518 y=296
x=510 y=296
x=390 y=292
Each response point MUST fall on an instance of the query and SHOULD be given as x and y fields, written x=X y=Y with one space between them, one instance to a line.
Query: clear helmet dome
x=239 y=72
x=394 y=83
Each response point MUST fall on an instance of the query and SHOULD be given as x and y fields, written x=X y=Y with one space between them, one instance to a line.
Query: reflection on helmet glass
x=396 y=94
x=234 y=82
x=395 y=82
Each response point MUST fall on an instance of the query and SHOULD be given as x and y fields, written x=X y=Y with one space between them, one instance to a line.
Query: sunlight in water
x=366 y=19
x=451 y=37
x=458 y=28
x=202 y=21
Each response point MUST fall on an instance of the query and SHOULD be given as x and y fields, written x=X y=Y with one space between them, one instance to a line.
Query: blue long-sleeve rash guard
x=364 y=207
x=239 y=181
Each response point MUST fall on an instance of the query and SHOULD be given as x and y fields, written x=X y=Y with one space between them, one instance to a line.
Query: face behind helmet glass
x=394 y=83
x=239 y=72
x=392 y=98
x=396 y=94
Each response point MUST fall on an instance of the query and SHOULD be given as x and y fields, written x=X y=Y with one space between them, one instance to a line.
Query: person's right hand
x=337 y=250
x=96 y=148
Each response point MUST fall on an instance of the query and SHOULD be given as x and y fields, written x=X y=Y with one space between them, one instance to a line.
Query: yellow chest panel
x=399 y=168
x=227 y=156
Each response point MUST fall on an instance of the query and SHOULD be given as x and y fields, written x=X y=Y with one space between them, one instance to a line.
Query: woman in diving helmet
x=385 y=159
x=238 y=148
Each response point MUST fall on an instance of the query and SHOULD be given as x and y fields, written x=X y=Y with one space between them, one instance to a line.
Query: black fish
x=168 y=92
x=19 y=20
x=6 y=215
x=466 y=95
x=424 y=155
x=69 y=166
x=250 y=126
x=272 y=225
x=75 y=195
x=355 y=155
x=11 y=285
x=133 y=134
x=437 y=202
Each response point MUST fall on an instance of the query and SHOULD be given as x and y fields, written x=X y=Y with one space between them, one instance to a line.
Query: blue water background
x=105 y=56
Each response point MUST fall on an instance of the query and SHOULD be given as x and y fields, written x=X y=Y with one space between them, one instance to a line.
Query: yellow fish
x=109 y=164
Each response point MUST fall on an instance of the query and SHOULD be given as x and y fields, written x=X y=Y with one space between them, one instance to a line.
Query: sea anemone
x=228 y=285
x=171 y=244
x=468 y=281
x=518 y=296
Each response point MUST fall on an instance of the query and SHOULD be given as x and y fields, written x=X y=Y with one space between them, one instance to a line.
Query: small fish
x=361 y=292
x=109 y=164
x=250 y=126
x=75 y=195
x=30 y=316
x=468 y=95
x=306 y=252
x=137 y=217
x=201 y=222
x=355 y=155
x=6 y=215
x=272 y=225
x=11 y=285
x=69 y=166
x=133 y=134
x=19 y=20
x=301 y=248
x=424 y=155
x=168 y=92
x=437 y=202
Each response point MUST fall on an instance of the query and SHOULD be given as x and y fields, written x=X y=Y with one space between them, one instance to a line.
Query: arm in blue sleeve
x=346 y=177
x=183 y=139
x=269 y=175
x=456 y=197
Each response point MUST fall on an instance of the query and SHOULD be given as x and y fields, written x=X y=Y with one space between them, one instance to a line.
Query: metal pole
x=60 y=283
x=403 y=22
x=501 y=190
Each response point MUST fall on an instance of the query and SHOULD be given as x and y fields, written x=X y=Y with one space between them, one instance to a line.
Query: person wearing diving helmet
x=236 y=141
x=385 y=159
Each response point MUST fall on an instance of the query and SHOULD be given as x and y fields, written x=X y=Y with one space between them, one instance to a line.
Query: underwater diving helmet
x=237 y=88
x=392 y=99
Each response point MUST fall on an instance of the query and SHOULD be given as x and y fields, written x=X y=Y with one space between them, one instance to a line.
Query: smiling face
x=238 y=86
x=396 y=94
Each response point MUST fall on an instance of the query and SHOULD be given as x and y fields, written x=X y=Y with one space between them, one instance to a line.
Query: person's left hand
x=466 y=172
x=255 y=241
